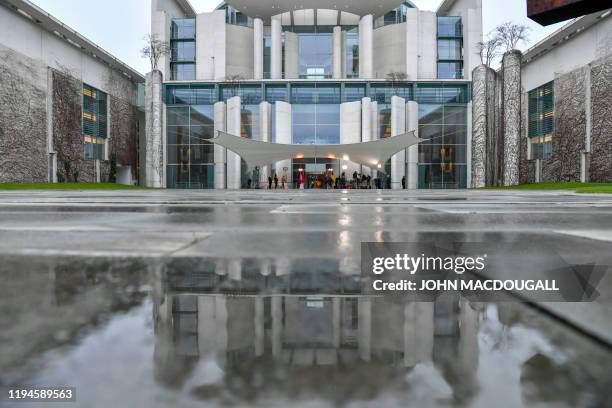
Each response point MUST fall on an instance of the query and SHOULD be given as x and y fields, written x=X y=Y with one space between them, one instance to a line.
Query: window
x=352 y=53
x=541 y=120
x=315 y=53
x=182 y=49
x=450 y=47
x=395 y=16
x=94 y=123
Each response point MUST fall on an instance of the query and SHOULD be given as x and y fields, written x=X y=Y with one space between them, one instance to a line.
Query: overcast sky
x=119 y=26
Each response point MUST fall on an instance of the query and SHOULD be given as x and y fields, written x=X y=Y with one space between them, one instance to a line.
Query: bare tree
x=233 y=83
x=396 y=77
x=510 y=34
x=154 y=49
x=489 y=49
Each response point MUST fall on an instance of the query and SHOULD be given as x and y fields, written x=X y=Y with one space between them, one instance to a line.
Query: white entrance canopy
x=371 y=154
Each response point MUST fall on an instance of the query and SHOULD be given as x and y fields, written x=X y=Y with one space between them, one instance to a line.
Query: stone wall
x=23 y=119
x=601 y=119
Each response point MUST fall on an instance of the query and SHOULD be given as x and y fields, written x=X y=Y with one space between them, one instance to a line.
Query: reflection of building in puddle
x=305 y=323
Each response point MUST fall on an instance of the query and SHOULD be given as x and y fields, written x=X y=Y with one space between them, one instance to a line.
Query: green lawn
x=578 y=187
x=67 y=186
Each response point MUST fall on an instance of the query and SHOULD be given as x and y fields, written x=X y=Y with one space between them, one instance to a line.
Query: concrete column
x=220 y=151
x=366 y=129
x=472 y=36
x=160 y=29
x=479 y=127
x=211 y=48
x=412 y=153
x=284 y=135
x=511 y=71
x=234 y=180
x=292 y=55
x=154 y=124
x=350 y=132
x=412 y=44
x=375 y=128
x=258 y=48
x=468 y=162
x=276 y=57
x=366 y=51
x=265 y=130
x=337 y=53
x=428 y=45
x=398 y=127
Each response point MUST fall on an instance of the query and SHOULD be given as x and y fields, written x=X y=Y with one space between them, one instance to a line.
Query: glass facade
x=541 y=107
x=395 y=16
x=352 y=52
x=316 y=119
x=95 y=125
x=183 y=49
x=450 y=47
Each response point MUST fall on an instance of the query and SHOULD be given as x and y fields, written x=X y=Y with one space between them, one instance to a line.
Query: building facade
x=308 y=74
x=68 y=109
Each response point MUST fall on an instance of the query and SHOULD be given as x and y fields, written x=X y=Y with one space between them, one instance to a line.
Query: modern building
x=546 y=115
x=68 y=109
x=313 y=73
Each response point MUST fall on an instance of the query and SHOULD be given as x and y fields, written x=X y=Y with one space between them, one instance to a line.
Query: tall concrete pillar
x=276 y=57
x=284 y=135
x=428 y=45
x=412 y=153
x=398 y=127
x=337 y=53
x=292 y=55
x=375 y=128
x=265 y=130
x=220 y=153
x=366 y=50
x=154 y=125
x=160 y=29
x=472 y=37
x=211 y=53
x=479 y=126
x=511 y=71
x=412 y=44
x=234 y=170
x=366 y=129
x=258 y=48
x=350 y=132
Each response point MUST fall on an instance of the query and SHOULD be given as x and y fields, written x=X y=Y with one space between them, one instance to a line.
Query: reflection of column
x=277 y=325
x=366 y=51
x=265 y=118
x=233 y=127
x=283 y=135
x=220 y=152
x=221 y=327
x=336 y=315
x=418 y=333
x=276 y=57
x=337 y=53
x=283 y=266
x=292 y=55
x=258 y=53
x=398 y=127
x=366 y=128
x=468 y=337
x=207 y=326
x=364 y=314
x=259 y=326
x=234 y=269
x=350 y=132
x=412 y=153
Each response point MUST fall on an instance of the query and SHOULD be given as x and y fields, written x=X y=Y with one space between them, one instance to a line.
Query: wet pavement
x=173 y=298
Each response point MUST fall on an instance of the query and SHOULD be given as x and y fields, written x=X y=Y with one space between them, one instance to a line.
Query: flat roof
x=265 y=9
x=49 y=23
x=564 y=34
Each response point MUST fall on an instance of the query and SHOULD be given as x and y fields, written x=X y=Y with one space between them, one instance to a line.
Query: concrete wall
x=390 y=49
x=239 y=51
x=428 y=45
x=398 y=127
x=220 y=151
x=600 y=168
x=211 y=46
x=350 y=132
x=580 y=50
x=284 y=134
x=234 y=173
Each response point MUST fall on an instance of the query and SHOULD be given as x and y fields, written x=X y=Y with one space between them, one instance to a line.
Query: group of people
x=358 y=181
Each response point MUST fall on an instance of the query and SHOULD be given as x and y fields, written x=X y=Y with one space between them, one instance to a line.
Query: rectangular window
x=95 y=111
x=352 y=53
x=182 y=49
x=541 y=120
x=450 y=48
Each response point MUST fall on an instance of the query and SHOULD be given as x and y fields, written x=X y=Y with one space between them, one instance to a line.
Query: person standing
x=404 y=183
x=269 y=182
x=275 y=181
x=283 y=181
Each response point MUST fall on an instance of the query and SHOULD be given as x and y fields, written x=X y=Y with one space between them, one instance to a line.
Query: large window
x=94 y=122
x=316 y=123
x=315 y=52
x=450 y=47
x=182 y=49
x=541 y=121
x=190 y=156
x=352 y=53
